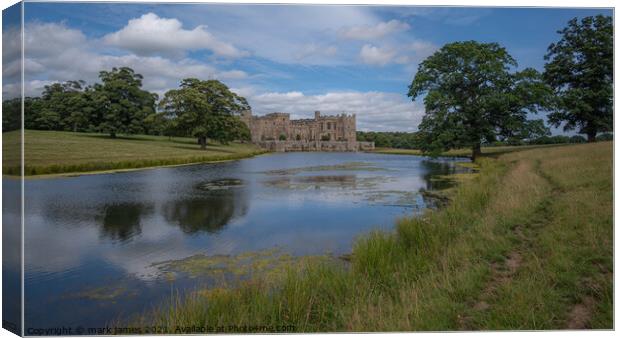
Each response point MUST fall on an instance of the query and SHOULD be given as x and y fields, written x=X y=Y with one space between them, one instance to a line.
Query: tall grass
x=552 y=206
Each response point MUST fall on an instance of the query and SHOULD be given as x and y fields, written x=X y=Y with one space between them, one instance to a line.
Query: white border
x=433 y=3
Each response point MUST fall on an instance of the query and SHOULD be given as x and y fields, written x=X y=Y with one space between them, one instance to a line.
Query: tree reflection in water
x=121 y=222
x=208 y=211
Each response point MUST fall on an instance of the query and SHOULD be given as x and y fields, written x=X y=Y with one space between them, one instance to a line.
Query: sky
x=285 y=58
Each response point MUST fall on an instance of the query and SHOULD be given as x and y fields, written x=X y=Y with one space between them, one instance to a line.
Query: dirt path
x=502 y=273
x=577 y=317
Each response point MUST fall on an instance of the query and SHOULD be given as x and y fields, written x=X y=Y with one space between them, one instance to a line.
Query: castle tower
x=246 y=117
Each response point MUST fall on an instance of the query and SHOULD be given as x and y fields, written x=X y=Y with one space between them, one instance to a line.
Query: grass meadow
x=464 y=152
x=526 y=244
x=54 y=152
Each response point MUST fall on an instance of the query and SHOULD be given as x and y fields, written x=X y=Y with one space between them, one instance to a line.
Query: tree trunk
x=475 y=152
x=591 y=136
x=203 y=142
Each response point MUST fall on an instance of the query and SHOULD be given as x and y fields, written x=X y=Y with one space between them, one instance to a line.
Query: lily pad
x=221 y=184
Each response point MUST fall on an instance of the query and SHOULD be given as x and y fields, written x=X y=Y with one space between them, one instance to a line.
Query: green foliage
x=228 y=128
x=526 y=131
x=577 y=139
x=472 y=96
x=557 y=139
x=156 y=124
x=122 y=102
x=605 y=137
x=118 y=105
x=206 y=109
x=282 y=137
x=11 y=112
x=580 y=70
x=62 y=106
x=399 y=140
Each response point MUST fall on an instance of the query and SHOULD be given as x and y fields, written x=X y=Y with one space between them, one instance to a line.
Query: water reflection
x=209 y=214
x=318 y=182
x=89 y=231
x=121 y=222
x=436 y=168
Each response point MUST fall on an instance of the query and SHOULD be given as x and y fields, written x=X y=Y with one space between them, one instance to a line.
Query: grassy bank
x=53 y=152
x=527 y=244
x=463 y=152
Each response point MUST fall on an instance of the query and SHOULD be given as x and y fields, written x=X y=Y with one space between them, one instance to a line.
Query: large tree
x=123 y=103
x=580 y=69
x=206 y=109
x=62 y=107
x=472 y=95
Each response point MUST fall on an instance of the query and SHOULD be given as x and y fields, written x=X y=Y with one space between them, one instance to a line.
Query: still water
x=94 y=244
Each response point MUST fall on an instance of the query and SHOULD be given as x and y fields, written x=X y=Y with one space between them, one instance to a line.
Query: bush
x=605 y=137
x=577 y=139
x=557 y=139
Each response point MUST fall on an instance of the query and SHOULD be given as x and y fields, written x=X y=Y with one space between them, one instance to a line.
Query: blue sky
x=296 y=59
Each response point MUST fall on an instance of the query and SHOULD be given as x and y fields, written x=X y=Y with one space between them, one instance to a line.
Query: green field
x=462 y=152
x=525 y=244
x=54 y=152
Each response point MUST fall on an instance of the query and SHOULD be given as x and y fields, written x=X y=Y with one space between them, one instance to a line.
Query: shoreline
x=386 y=151
x=124 y=170
x=466 y=153
x=130 y=169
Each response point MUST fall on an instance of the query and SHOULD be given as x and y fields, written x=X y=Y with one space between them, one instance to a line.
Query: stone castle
x=277 y=132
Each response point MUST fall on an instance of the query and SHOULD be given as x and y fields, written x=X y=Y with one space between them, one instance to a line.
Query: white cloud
x=312 y=50
x=50 y=38
x=11 y=52
x=410 y=53
x=415 y=52
x=55 y=52
x=285 y=34
x=373 y=55
x=377 y=111
x=31 y=88
x=150 y=34
x=368 y=32
x=422 y=49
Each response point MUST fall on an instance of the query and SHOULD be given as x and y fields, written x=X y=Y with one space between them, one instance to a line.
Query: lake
x=104 y=247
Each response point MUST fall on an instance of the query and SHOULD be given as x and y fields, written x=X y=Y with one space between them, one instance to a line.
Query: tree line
x=412 y=140
x=119 y=105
